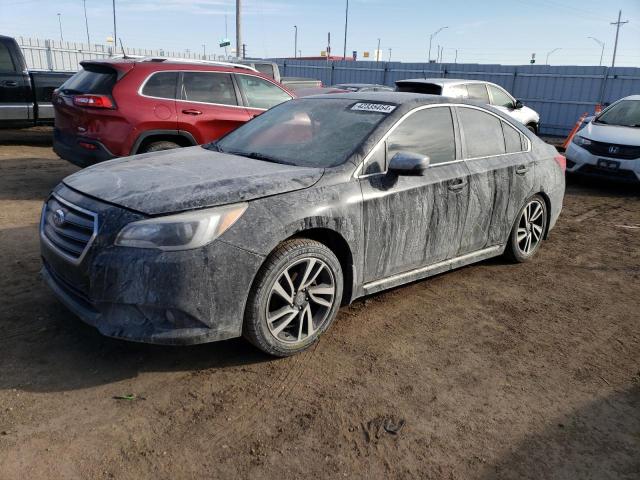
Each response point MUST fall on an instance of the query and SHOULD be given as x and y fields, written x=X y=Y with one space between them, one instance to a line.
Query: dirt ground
x=494 y=371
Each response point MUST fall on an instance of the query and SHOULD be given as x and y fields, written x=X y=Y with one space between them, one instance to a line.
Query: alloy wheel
x=530 y=227
x=300 y=300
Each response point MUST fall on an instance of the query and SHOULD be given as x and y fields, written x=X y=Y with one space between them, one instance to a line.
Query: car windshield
x=625 y=113
x=310 y=132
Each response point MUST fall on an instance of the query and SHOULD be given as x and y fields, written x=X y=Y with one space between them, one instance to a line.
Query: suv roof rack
x=187 y=60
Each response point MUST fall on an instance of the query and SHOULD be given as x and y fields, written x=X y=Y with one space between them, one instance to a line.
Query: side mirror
x=518 y=105
x=409 y=163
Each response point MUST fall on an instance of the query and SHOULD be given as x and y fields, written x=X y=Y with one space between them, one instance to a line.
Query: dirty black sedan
x=311 y=205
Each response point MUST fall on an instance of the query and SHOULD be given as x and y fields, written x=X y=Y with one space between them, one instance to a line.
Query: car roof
x=439 y=81
x=398 y=98
x=631 y=97
x=346 y=84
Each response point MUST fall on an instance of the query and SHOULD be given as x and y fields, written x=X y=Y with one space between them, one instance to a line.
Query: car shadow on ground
x=35 y=137
x=600 y=440
x=588 y=186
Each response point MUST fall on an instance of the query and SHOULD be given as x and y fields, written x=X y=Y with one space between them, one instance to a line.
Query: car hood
x=611 y=134
x=187 y=178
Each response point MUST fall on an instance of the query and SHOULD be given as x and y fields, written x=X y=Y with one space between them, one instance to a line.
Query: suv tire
x=159 y=146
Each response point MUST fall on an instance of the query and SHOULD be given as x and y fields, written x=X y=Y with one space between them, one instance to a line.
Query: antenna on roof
x=124 y=54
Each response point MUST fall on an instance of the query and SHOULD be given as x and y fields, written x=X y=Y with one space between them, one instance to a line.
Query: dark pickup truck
x=25 y=97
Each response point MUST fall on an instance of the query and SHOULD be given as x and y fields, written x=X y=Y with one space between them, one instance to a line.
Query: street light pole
x=346 y=25
x=431 y=38
x=238 y=31
x=552 y=52
x=60 y=24
x=204 y=51
x=618 y=24
x=86 y=22
x=389 y=54
x=115 y=31
x=295 y=42
x=378 y=52
x=601 y=43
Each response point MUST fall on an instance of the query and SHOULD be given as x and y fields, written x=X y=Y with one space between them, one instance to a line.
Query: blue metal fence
x=559 y=93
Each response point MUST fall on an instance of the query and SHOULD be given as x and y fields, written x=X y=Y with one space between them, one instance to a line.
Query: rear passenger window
x=162 y=85
x=208 y=88
x=457 y=91
x=478 y=91
x=512 y=138
x=427 y=132
x=482 y=133
x=260 y=93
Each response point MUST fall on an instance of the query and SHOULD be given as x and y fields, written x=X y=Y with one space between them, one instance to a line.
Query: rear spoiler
x=106 y=66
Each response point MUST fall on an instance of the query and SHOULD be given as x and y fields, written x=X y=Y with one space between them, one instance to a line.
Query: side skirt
x=430 y=270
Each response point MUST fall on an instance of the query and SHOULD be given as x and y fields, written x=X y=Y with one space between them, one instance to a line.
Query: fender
x=150 y=133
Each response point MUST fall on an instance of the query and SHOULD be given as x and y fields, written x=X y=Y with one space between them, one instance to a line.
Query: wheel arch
x=182 y=138
x=547 y=204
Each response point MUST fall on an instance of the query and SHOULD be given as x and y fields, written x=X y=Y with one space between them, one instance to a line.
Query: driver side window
x=500 y=98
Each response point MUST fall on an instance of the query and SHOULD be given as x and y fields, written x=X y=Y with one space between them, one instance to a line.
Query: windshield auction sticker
x=374 y=107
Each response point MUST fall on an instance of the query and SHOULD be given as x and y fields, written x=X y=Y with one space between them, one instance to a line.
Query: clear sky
x=488 y=31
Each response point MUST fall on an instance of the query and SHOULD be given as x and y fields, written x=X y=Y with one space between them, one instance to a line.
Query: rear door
x=414 y=221
x=260 y=94
x=209 y=105
x=501 y=176
x=16 y=103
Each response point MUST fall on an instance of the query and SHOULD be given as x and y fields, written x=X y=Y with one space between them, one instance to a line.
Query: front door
x=414 y=221
x=208 y=105
x=260 y=94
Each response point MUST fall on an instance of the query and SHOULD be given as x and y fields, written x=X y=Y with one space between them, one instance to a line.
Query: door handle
x=192 y=112
x=457 y=184
x=522 y=169
x=10 y=83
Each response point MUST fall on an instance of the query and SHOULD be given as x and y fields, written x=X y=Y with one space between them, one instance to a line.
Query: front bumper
x=69 y=148
x=151 y=296
x=583 y=162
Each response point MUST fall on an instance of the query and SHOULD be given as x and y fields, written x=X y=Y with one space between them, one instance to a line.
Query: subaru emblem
x=58 y=217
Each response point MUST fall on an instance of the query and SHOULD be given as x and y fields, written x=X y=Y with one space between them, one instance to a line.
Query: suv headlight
x=182 y=231
x=581 y=141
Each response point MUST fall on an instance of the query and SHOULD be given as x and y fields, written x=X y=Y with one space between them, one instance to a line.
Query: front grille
x=613 y=150
x=68 y=228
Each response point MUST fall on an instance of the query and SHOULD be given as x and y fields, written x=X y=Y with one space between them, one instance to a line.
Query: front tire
x=533 y=128
x=528 y=231
x=294 y=299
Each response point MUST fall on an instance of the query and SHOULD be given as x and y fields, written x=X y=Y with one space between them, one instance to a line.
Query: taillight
x=93 y=101
x=562 y=161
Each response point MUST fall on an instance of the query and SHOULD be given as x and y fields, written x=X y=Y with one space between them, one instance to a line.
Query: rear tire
x=528 y=231
x=294 y=299
x=159 y=146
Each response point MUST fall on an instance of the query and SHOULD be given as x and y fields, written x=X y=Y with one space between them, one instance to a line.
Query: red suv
x=113 y=108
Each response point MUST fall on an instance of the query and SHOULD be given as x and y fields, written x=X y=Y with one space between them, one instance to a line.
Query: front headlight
x=581 y=141
x=182 y=231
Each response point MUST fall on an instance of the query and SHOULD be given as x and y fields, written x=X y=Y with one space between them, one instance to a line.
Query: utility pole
x=115 y=32
x=244 y=51
x=389 y=55
x=456 y=60
x=204 y=51
x=378 y=52
x=346 y=25
x=60 y=24
x=601 y=43
x=86 y=23
x=618 y=24
x=226 y=36
x=295 y=42
x=431 y=38
x=239 y=45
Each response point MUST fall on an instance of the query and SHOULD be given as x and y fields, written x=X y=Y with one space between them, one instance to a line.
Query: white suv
x=486 y=92
x=609 y=145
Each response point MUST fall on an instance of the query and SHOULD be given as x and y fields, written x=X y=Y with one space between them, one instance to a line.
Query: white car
x=486 y=92
x=609 y=145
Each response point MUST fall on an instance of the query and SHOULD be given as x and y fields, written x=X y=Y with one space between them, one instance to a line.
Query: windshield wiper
x=213 y=146
x=260 y=156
